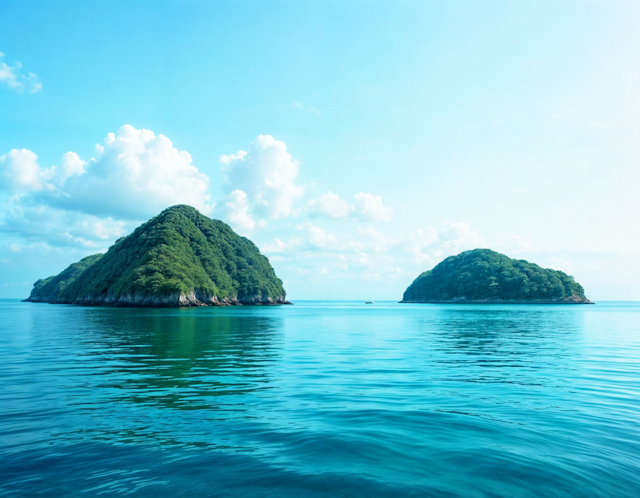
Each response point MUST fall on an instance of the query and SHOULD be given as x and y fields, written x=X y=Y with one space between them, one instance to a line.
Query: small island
x=178 y=258
x=486 y=276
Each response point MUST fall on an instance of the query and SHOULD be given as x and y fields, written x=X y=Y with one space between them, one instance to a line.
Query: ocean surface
x=320 y=399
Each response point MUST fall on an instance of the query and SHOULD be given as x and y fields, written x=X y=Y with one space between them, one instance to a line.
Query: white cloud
x=71 y=165
x=20 y=172
x=273 y=247
x=11 y=77
x=370 y=239
x=267 y=174
x=135 y=175
x=369 y=207
x=87 y=204
x=457 y=237
x=317 y=237
x=426 y=236
x=329 y=205
x=428 y=244
x=234 y=209
x=312 y=239
x=360 y=264
x=34 y=84
x=36 y=223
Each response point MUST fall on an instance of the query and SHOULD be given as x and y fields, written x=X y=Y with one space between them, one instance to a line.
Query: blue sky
x=356 y=143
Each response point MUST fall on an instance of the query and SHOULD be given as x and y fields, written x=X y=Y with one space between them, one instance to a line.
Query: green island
x=178 y=258
x=486 y=276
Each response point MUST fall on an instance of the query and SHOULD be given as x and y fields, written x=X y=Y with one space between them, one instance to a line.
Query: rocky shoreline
x=193 y=299
x=575 y=299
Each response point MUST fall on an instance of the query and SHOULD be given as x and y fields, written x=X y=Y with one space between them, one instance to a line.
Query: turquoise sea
x=320 y=399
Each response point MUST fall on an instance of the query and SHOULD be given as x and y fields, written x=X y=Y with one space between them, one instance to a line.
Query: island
x=486 y=276
x=178 y=258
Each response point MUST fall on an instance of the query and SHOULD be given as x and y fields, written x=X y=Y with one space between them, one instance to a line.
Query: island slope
x=47 y=290
x=178 y=258
x=486 y=276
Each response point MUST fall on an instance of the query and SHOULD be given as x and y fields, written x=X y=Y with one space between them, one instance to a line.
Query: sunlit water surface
x=320 y=399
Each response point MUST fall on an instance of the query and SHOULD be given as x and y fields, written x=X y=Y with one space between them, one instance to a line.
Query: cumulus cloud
x=329 y=205
x=460 y=237
x=20 y=172
x=234 y=209
x=370 y=239
x=317 y=237
x=369 y=207
x=361 y=263
x=135 y=175
x=11 y=77
x=368 y=253
x=89 y=204
x=36 y=223
x=312 y=238
x=425 y=236
x=273 y=247
x=428 y=243
x=71 y=165
x=266 y=174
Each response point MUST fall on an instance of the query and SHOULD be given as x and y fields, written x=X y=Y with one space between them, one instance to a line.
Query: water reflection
x=130 y=366
x=514 y=345
x=486 y=331
x=181 y=359
x=365 y=401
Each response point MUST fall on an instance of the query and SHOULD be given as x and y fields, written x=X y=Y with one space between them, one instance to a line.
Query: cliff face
x=195 y=298
x=485 y=276
x=178 y=258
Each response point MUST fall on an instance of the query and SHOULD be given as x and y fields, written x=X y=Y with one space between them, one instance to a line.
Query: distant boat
x=370 y=302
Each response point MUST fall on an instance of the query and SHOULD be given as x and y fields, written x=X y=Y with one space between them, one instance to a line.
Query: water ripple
x=320 y=399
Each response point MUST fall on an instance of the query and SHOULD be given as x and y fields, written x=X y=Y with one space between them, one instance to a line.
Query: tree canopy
x=178 y=252
x=50 y=288
x=486 y=275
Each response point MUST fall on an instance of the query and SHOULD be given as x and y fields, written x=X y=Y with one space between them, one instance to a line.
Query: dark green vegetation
x=47 y=289
x=178 y=258
x=483 y=275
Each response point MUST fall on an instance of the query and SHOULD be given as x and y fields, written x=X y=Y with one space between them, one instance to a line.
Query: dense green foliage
x=49 y=288
x=483 y=274
x=180 y=251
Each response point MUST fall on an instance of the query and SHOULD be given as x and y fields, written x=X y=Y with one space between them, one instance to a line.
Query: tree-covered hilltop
x=178 y=258
x=48 y=289
x=487 y=276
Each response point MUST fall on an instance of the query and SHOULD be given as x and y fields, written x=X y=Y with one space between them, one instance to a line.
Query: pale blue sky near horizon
x=436 y=126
